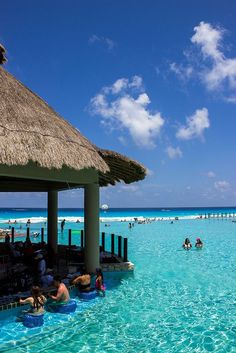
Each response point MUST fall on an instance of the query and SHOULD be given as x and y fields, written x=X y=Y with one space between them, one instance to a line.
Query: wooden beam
x=35 y=172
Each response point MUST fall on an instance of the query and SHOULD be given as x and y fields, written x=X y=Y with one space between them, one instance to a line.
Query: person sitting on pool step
x=83 y=281
x=62 y=296
x=36 y=301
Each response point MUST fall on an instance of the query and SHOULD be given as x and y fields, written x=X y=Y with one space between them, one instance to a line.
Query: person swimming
x=187 y=245
x=199 y=243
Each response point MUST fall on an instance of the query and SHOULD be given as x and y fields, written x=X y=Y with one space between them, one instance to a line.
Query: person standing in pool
x=63 y=224
x=62 y=296
x=199 y=243
x=187 y=245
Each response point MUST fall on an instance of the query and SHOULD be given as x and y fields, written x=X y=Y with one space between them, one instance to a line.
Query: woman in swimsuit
x=199 y=243
x=187 y=245
x=36 y=301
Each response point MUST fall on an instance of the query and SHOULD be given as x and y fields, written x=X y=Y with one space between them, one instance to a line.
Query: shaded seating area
x=20 y=266
x=21 y=262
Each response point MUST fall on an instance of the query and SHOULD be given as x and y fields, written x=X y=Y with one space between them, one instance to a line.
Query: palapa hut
x=40 y=151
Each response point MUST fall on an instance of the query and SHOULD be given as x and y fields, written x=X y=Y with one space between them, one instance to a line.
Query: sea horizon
x=126 y=208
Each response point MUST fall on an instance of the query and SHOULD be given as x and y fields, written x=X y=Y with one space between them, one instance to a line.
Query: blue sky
x=153 y=80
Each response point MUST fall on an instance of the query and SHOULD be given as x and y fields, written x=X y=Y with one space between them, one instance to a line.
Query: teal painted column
x=52 y=219
x=91 y=226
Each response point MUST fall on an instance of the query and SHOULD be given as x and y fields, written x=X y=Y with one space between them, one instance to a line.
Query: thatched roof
x=121 y=169
x=31 y=131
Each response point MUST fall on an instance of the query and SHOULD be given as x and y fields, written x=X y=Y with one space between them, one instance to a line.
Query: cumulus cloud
x=195 y=125
x=223 y=70
x=123 y=105
x=174 y=153
x=222 y=185
x=209 y=39
x=109 y=43
x=211 y=174
x=215 y=70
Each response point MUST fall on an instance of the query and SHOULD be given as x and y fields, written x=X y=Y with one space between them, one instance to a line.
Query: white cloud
x=211 y=174
x=150 y=172
x=123 y=84
x=174 y=153
x=181 y=71
x=216 y=71
x=110 y=44
x=231 y=99
x=222 y=185
x=121 y=110
x=158 y=71
x=132 y=188
x=119 y=85
x=195 y=125
x=122 y=140
x=136 y=82
x=208 y=38
x=222 y=70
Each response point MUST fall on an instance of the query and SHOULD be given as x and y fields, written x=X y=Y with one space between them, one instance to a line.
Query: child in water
x=99 y=285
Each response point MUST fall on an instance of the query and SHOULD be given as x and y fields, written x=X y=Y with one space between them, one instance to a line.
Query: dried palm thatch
x=121 y=169
x=30 y=130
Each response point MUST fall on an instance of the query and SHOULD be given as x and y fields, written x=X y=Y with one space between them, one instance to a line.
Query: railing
x=116 y=245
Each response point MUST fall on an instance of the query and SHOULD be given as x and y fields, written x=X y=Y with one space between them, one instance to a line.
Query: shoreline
x=137 y=219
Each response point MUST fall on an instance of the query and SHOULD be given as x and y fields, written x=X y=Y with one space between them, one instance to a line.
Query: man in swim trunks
x=62 y=296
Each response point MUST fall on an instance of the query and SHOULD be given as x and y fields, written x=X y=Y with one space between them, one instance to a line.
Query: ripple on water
x=177 y=301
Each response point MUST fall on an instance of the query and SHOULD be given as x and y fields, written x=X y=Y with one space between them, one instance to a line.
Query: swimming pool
x=177 y=301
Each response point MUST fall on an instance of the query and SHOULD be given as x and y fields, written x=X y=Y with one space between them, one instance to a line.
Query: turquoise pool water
x=176 y=301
